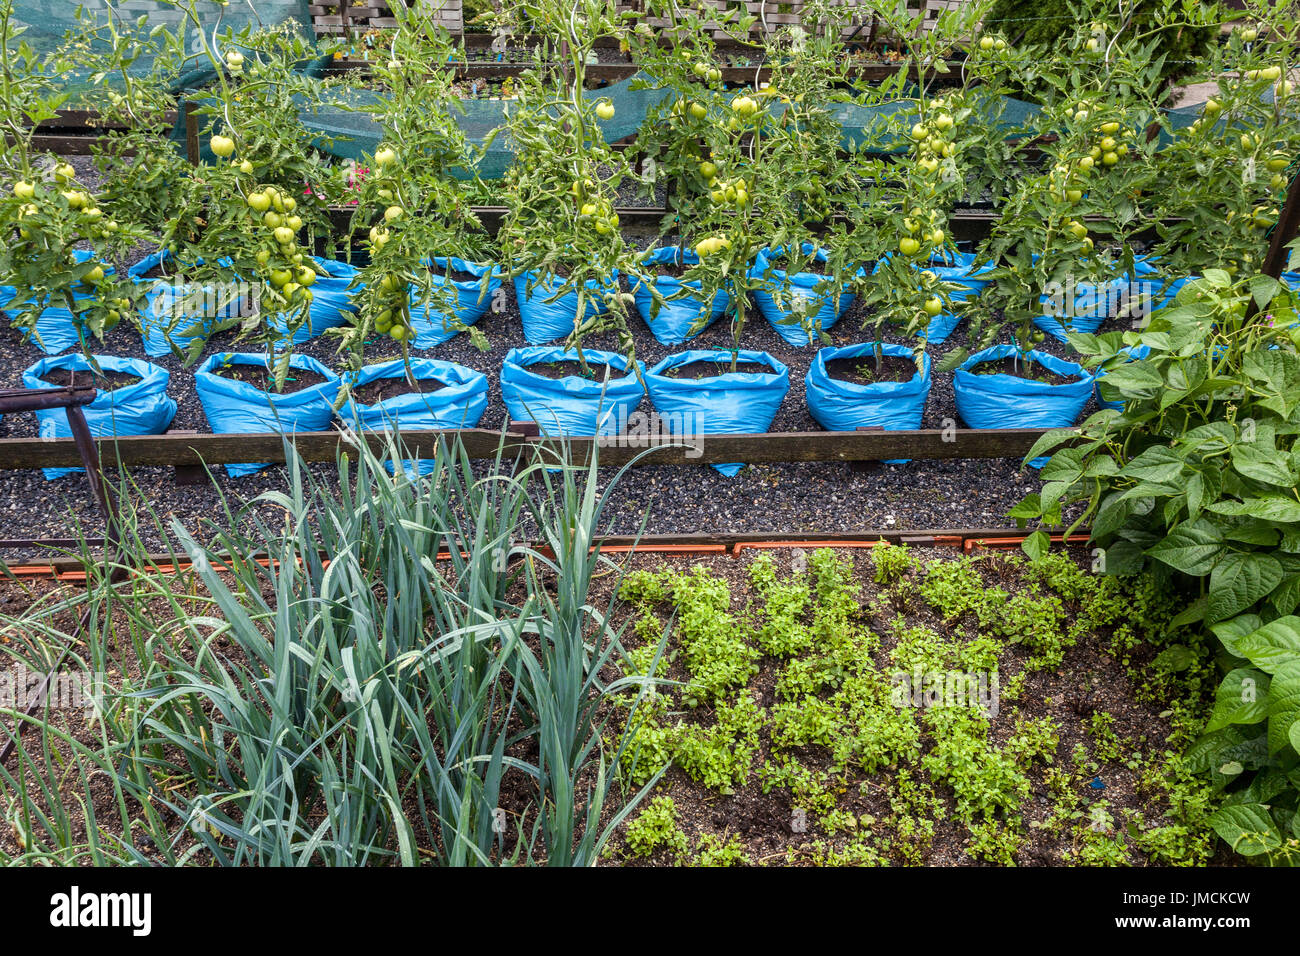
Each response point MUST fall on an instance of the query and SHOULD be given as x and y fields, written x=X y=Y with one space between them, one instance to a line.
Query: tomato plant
x=750 y=168
x=1222 y=178
x=412 y=201
x=46 y=215
x=911 y=192
x=1095 y=161
x=561 y=226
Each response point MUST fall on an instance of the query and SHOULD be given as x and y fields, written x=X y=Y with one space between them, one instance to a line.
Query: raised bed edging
x=614 y=450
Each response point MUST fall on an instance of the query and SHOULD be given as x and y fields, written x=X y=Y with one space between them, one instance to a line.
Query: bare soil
x=103 y=380
x=1022 y=369
x=862 y=370
x=372 y=393
x=263 y=380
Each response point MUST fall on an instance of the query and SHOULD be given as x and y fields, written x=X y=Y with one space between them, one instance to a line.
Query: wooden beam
x=179 y=450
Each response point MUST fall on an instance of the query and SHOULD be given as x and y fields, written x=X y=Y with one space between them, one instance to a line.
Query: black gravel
x=790 y=497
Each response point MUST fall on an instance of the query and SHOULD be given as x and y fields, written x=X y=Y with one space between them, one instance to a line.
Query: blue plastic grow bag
x=780 y=293
x=57 y=328
x=459 y=404
x=684 y=315
x=427 y=318
x=1008 y=401
x=545 y=320
x=958 y=268
x=961 y=269
x=729 y=403
x=841 y=406
x=570 y=405
x=940 y=327
x=177 y=314
x=236 y=408
x=331 y=303
x=139 y=409
x=1094 y=303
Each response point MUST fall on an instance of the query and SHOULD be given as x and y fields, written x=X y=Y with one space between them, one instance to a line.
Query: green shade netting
x=48 y=22
x=346 y=131
x=885 y=128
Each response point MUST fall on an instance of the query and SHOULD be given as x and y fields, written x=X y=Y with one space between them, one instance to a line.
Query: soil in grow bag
x=444 y=395
x=708 y=369
x=863 y=369
x=155 y=272
x=263 y=379
x=570 y=405
x=594 y=372
x=452 y=274
x=372 y=393
x=1038 y=391
x=131 y=398
x=683 y=314
x=1023 y=368
x=104 y=380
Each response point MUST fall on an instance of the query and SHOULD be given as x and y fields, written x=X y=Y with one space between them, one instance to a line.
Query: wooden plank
x=186 y=450
x=801 y=447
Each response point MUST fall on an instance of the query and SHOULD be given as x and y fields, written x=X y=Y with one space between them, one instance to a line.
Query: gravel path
x=790 y=497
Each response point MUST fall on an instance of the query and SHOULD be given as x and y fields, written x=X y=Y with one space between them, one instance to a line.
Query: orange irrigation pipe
x=970 y=544
x=964 y=541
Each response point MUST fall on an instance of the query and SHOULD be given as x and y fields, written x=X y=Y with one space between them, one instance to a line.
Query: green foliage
x=994 y=842
x=715 y=651
x=713 y=850
x=985 y=781
x=1041 y=29
x=419 y=171
x=892 y=562
x=656 y=828
x=720 y=756
x=782 y=632
x=954 y=588
x=1194 y=478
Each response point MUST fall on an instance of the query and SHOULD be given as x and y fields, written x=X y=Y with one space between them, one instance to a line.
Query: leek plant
x=384 y=672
